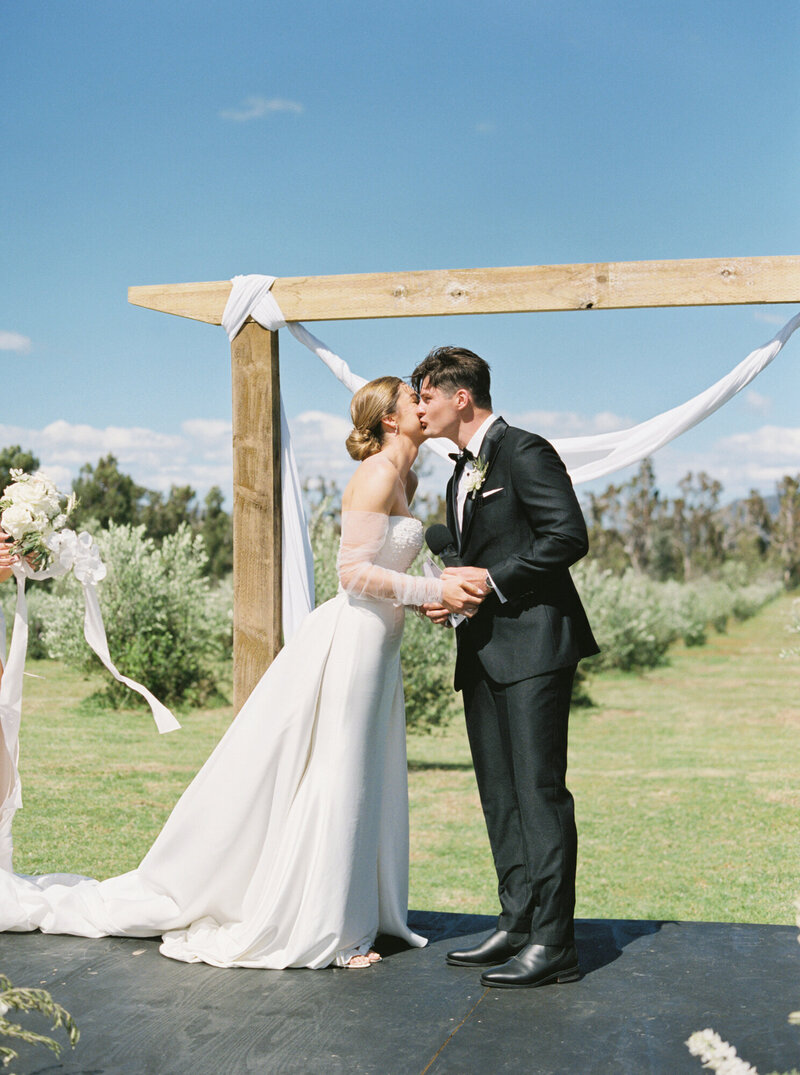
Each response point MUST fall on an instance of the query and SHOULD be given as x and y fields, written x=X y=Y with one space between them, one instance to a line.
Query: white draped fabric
x=586 y=458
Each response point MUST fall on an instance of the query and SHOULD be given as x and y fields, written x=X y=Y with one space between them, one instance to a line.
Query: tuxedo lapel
x=452 y=515
x=486 y=456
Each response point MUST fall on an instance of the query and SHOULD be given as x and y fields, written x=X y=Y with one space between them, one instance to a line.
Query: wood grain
x=256 y=507
x=597 y=286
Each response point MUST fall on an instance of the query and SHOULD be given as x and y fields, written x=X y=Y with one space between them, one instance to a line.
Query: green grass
x=686 y=782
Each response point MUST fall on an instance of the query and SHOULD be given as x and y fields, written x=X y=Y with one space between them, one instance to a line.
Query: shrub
x=164 y=624
x=632 y=629
x=684 y=606
x=635 y=619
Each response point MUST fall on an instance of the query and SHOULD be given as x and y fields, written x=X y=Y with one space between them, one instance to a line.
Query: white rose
x=12 y=491
x=42 y=523
x=37 y=493
x=16 y=521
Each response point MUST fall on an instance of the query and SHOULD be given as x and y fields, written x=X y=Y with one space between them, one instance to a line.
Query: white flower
x=718 y=1055
x=31 y=511
x=36 y=492
x=476 y=476
x=17 y=521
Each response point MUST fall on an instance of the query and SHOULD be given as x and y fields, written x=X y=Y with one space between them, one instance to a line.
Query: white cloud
x=318 y=440
x=770 y=319
x=754 y=401
x=14 y=341
x=554 y=424
x=258 y=107
x=741 y=461
x=200 y=455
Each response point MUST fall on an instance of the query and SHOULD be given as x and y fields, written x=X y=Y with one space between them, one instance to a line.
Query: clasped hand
x=464 y=590
x=7 y=559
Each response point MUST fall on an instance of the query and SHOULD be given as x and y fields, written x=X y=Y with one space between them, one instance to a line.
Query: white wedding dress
x=290 y=846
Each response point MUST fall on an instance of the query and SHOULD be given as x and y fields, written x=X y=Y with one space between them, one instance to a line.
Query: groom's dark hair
x=451 y=368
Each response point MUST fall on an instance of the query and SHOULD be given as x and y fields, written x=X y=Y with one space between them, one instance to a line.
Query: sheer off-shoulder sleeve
x=363 y=537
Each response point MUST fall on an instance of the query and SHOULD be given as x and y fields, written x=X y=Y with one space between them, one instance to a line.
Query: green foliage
x=106 y=494
x=163 y=515
x=630 y=628
x=323 y=529
x=15 y=458
x=635 y=619
x=787 y=530
x=216 y=527
x=165 y=624
x=32 y=1000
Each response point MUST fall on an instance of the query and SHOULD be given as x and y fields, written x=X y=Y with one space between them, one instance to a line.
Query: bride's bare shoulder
x=373 y=487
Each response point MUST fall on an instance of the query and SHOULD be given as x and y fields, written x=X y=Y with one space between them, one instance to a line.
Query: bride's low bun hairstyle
x=371 y=403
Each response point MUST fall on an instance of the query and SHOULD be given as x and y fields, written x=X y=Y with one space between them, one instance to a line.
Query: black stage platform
x=646 y=987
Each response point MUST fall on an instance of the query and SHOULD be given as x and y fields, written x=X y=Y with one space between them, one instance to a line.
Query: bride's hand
x=7 y=559
x=437 y=614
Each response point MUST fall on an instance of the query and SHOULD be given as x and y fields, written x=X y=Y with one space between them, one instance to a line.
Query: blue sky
x=162 y=143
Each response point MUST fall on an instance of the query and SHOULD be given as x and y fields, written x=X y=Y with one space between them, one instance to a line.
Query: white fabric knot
x=86 y=563
x=251 y=297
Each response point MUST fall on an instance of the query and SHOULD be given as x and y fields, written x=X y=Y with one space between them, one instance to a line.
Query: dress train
x=290 y=846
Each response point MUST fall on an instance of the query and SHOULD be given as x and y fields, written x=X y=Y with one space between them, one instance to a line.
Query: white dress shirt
x=474 y=446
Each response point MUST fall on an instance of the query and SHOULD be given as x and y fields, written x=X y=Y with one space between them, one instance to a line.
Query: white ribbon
x=585 y=457
x=10 y=717
x=76 y=553
x=602 y=453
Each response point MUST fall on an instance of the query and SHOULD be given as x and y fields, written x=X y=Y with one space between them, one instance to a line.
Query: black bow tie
x=462 y=458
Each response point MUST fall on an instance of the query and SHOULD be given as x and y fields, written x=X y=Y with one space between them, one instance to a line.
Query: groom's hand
x=460 y=595
x=474 y=576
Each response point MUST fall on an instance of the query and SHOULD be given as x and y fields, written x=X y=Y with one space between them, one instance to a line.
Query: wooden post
x=256 y=507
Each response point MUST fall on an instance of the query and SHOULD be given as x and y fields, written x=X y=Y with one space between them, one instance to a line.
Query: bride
x=290 y=846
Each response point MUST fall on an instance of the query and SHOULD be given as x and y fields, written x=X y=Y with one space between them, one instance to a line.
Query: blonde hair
x=371 y=403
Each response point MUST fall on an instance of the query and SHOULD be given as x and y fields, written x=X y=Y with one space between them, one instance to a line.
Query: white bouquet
x=32 y=510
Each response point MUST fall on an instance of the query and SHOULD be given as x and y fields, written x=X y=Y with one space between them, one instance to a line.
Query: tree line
x=105 y=494
x=691 y=535
x=631 y=524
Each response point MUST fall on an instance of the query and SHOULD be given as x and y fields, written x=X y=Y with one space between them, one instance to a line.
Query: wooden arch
x=522 y=289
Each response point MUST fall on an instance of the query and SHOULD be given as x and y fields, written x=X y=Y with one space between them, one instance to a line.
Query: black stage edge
x=646 y=987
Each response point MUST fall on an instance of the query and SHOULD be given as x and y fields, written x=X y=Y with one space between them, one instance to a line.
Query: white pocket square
x=491 y=492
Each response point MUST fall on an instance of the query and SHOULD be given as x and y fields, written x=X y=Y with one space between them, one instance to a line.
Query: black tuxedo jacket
x=525 y=526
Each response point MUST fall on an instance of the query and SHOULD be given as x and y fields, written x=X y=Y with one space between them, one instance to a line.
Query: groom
x=515 y=517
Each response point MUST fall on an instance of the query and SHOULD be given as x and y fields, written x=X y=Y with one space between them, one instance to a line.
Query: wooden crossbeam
x=523 y=289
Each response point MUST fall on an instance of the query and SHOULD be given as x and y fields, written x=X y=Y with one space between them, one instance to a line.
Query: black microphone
x=442 y=543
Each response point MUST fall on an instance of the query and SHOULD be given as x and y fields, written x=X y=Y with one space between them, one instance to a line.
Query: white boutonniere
x=476 y=477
